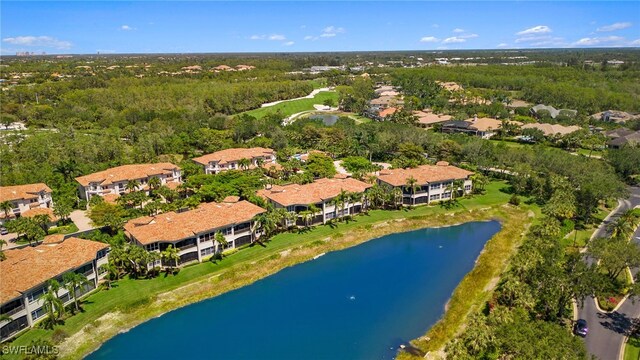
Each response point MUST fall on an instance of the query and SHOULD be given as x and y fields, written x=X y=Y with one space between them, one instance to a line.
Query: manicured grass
x=289 y=108
x=586 y=152
x=632 y=349
x=130 y=296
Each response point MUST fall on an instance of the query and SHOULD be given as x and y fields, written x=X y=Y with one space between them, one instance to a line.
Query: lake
x=327 y=119
x=357 y=303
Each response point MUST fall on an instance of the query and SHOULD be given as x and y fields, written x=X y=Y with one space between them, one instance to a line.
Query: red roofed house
x=229 y=159
x=24 y=198
x=433 y=182
x=193 y=232
x=25 y=273
x=322 y=193
x=114 y=180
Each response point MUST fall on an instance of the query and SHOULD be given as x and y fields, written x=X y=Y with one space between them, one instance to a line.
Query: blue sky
x=181 y=26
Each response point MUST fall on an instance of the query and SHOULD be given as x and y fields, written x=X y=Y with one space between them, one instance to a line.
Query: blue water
x=327 y=119
x=358 y=303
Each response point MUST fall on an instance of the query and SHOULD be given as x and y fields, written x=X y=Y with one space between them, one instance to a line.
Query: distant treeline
x=587 y=90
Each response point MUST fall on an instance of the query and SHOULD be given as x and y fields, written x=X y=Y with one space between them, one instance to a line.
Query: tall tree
x=72 y=282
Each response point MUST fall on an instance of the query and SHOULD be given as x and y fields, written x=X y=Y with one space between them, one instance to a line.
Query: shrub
x=229 y=252
x=514 y=200
x=58 y=336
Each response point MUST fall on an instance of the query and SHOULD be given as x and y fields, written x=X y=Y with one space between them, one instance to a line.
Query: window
x=36 y=314
x=102 y=253
x=291 y=208
x=435 y=186
x=152 y=247
x=467 y=187
x=207 y=251
x=35 y=295
x=64 y=298
x=434 y=197
x=446 y=195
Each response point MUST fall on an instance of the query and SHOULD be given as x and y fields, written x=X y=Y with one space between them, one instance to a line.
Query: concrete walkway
x=79 y=217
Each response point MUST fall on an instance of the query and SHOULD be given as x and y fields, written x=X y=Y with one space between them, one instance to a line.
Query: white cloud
x=635 y=42
x=435 y=26
x=614 y=27
x=468 y=36
x=272 y=37
x=429 y=39
x=453 y=40
x=327 y=35
x=126 y=28
x=333 y=30
x=308 y=37
x=41 y=41
x=602 y=41
x=288 y=43
x=540 y=29
x=502 y=45
x=458 y=30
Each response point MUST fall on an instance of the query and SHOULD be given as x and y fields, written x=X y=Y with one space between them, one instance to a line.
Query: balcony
x=14 y=311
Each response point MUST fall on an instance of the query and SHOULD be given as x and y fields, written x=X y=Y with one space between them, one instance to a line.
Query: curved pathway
x=310 y=96
x=607 y=331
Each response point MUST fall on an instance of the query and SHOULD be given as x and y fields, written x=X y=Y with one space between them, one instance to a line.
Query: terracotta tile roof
x=428 y=118
x=174 y=226
x=127 y=172
x=53 y=239
x=423 y=174
x=19 y=192
x=312 y=193
x=272 y=166
x=30 y=266
x=172 y=185
x=31 y=213
x=111 y=198
x=486 y=124
x=231 y=199
x=233 y=154
x=388 y=111
x=552 y=129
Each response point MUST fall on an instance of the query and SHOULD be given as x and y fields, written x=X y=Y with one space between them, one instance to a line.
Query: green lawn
x=632 y=349
x=129 y=294
x=289 y=108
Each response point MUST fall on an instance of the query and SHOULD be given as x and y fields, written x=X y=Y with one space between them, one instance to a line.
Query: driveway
x=79 y=217
x=608 y=330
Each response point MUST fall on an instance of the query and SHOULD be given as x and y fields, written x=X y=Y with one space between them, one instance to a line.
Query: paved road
x=607 y=330
x=79 y=217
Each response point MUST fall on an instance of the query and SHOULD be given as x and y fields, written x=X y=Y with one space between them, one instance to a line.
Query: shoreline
x=85 y=342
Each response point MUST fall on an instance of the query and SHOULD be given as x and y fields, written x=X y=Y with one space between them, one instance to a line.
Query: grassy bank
x=476 y=287
x=632 y=349
x=289 y=108
x=131 y=302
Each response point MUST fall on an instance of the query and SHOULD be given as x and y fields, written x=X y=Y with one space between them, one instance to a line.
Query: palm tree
x=112 y=274
x=52 y=304
x=68 y=169
x=154 y=183
x=43 y=220
x=220 y=239
x=244 y=163
x=7 y=207
x=2 y=255
x=314 y=210
x=412 y=185
x=62 y=210
x=479 y=182
x=73 y=281
x=306 y=216
x=4 y=317
x=132 y=186
x=397 y=196
x=265 y=221
x=624 y=226
x=170 y=256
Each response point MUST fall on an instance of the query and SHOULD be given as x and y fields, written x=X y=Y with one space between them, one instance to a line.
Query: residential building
x=427 y=118
x=320 y=193
x=115 y=180
x=433 y=182
x=229 y=159
x=614 y=116
x=552 y=129
x=482 y=127
x=26 y=271
x=24 y=198
x=631 y=139
x=543 y=110
x=193 y=232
